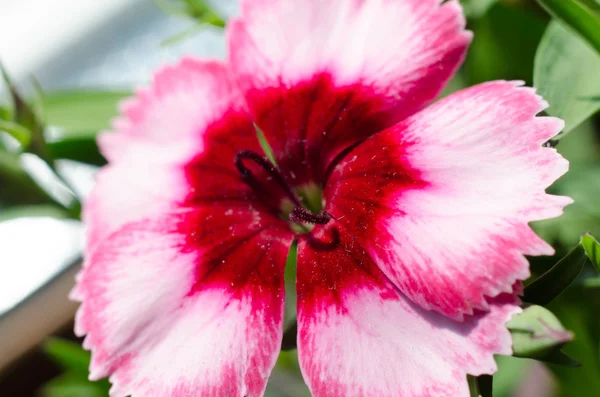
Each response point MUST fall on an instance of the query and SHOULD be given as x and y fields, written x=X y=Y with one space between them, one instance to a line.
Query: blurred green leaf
x=80 y=116
x=82 y=113
x=477 y=8
x=537 y=333
x=592 y=249
x=593 y=5
x=556 y=280
x=576 y=16
x=558 y=357
x=17 y=131
x=70 y=356
x=74 y=361
x=577 y=310
x=197 y=10
x=504 y=43
x=38 y=103
x=28 y=211
x=264 y=144
x=82 y=148
x=5 y=113
x=25 y=116
x=75 y=386
x=17 y=187
x=566 y=75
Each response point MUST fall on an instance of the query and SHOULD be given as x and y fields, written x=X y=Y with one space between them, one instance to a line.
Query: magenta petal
x=321 y=75
x=442 y=201
x=186 y=304
x=174 y=148
x=360 y=337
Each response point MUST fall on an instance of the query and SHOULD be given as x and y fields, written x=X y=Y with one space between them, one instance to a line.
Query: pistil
x=265 y=164
x=302 y=215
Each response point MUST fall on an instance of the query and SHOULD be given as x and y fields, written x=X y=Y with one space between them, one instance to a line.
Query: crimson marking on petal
x=316 y=121
x=231 y=241
x=213 y=177
x=431 y=178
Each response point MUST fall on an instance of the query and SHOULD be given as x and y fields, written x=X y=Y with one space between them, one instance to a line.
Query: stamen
x=302 y=215
x=265 y=164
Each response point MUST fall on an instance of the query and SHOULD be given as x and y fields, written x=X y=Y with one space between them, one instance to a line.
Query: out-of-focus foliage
x=76 y=131
x=199 y=11
x=578 y=17
x=557 y=279
x=74 y=361
x=505 y=39
x=95 y=110
x=566 y=75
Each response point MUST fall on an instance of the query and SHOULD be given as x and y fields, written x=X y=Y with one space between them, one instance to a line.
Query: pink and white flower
x=405 y=280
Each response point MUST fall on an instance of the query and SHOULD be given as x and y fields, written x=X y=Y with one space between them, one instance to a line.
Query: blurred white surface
x=34 y=250
x=70 y=44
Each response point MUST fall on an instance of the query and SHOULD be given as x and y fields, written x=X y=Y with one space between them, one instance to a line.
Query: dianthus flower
x=411 y=218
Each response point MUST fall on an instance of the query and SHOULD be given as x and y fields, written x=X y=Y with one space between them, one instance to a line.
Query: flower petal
x=174 y=147
x=358 y=336
x=321 y=75
x=442 y=201
x=186 y=304
x=183 y=101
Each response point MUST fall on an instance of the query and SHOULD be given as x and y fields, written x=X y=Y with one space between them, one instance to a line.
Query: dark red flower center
x=271 y=175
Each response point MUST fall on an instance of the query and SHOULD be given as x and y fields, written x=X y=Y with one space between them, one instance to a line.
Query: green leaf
x=75 y=386
x=17 y=131
x=264 y=144
x=70 y=356
x=25 y=116
x=80 y=116
x=5 y=113
x=593 y=5
x=82 y=113
x=556 y=280
x=477 y=8
x=536 y=333
x=576 y=16
x=558 y=357
x=592 y=249
x=566 y=75
x=16 y=186
x=82 y=148
x=72 y=359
